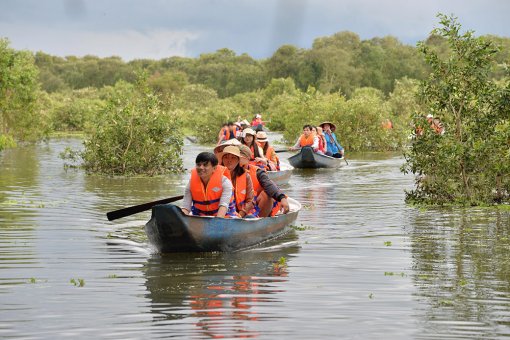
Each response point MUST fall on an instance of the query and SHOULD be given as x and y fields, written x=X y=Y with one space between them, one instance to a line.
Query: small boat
x=306 y=158
x=281 y=177
x=170 y=230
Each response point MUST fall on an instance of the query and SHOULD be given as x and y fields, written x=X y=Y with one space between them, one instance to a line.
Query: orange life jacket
x=306 y=141
x=232 y=203
x=226 y=133
x=240 y=191
x=253 y=174
x=206 y=200
x=276 y=207
x=270 y=154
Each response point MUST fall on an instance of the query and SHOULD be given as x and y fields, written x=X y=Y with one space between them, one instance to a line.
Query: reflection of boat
x=218 y=295
x=306 y=158
x=170 y=230
x=282 y=176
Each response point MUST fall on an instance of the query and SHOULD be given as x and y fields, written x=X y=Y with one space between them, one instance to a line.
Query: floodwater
x=359 y=264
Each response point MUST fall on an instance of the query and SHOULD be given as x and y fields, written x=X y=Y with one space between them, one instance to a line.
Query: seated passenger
x=208 y=192
x=306 y=139
x=333 y=147
x=269 y=199
x=273 y=162
x=241 y=181
x=257 y=155
x=322 y=140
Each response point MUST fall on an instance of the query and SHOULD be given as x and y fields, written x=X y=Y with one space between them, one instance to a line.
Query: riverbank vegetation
x=469 y=163
x=360 y=85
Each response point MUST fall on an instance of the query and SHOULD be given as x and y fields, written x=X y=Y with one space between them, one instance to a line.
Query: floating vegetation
x=281 y=265
x=402 y=274
x=32 y=280
x=301 y=227
x=309 y=206
x=112 y=276
x=30 y=203
x=387 y=243
x=371 y=296
x=446 y=303
x=78 y=282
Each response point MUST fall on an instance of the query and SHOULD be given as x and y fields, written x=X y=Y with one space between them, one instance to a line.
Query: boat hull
x=306 y=158
x=280 y=177
x=170 y=230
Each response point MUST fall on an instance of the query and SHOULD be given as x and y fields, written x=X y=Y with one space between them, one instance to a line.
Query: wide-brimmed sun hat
x=249 y=131
x=226 y=143
x=430 y=116
x=261 y=136
x=333 y=126
x=258 y=116
x=245 y=154
x=231 y=149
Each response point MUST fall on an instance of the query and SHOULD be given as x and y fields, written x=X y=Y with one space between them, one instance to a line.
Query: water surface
x=359 y=264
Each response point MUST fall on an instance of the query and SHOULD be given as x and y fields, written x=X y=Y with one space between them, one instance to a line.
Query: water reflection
x=462 y=270
x=367 y=264
x=220 y=295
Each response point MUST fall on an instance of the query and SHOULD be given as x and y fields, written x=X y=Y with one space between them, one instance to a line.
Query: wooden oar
x=113 y=215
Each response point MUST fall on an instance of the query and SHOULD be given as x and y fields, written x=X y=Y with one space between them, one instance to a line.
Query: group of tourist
x=435 y=124
x=321 y=139
x=231 y=130
x=232 y=182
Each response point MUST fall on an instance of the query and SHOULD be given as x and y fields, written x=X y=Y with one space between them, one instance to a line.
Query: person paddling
x=333 y=147
x=208 y=192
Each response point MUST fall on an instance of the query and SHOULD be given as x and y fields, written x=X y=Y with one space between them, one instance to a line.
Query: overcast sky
x=158 y=29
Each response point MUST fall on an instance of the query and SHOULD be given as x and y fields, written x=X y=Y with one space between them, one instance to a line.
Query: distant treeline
x=339 y=63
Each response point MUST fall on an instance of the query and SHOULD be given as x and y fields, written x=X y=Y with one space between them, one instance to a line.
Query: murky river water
x=360 y=264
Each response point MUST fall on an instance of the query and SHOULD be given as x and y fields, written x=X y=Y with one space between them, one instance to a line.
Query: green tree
x=360 y=121
x=20 y=117
x=133 y=135
x=470 y=163
x=73 y=110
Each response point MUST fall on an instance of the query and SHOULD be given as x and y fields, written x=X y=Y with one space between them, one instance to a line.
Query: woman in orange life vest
x=322 y=140
x=306 y=139
x=273 y=163
x=209 y=192
x=257 y=155
x=269 y=198
x=241 y=181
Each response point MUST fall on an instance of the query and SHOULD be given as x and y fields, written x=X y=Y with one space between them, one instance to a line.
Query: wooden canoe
x=170 y=230
x=281 y=177
x=306 y=158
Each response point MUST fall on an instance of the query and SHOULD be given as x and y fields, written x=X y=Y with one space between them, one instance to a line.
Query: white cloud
x=129 y=44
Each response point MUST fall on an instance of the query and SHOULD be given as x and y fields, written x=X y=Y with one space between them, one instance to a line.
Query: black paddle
x=113 y=215
x=278 y=151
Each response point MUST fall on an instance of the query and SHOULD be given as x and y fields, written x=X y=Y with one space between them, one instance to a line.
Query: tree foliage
x=470 y=163
x=133 y=135
x=20 y=115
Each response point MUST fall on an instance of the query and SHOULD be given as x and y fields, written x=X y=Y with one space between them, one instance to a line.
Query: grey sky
x=161 y=28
